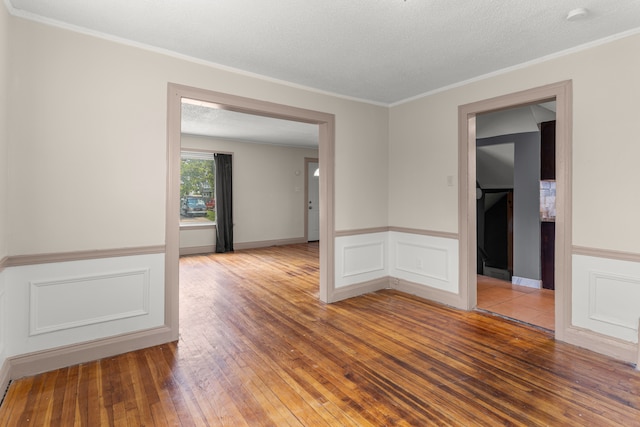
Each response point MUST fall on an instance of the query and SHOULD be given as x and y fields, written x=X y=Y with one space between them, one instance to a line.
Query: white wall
x=423 y=152
x=423 y=145
x=197 y=240
x=4 y=248
x=268 y=188
x=4 y=147
x=88 y=136
x=101 y=141
x=88 y=139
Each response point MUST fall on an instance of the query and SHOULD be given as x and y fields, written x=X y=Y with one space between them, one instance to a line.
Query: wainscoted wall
x=424 y=260
x=58 y=304
x=4 y=367
x=361 y=258
x=3 y=315
x=420 y=264
x=606 y=296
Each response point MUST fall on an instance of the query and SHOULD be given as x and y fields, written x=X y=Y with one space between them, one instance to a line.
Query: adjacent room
x=254 y=212
x=515 y=158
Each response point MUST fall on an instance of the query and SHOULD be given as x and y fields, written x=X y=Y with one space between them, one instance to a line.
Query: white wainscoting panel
x=97 y=298
x=57 y=304
x=360 y=258
x=3 y=320
x=606 y=296
x=424 y=260
x=4 y=364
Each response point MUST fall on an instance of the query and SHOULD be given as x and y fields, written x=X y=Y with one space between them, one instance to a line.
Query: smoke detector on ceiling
x=577 y=14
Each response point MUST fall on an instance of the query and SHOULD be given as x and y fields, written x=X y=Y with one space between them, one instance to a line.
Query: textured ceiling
x=381 y=51
x=202 y=118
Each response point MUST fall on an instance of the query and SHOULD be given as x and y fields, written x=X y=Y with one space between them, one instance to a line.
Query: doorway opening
x=515 y=152
x=468 y=253
x=326 y=129
x=312 y=200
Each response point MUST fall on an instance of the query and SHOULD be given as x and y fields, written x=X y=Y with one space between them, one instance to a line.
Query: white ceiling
x=201 y=118
x=514 y=120
x=381 y=51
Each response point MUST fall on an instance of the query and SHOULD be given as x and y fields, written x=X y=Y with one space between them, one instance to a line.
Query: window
x=197 y=188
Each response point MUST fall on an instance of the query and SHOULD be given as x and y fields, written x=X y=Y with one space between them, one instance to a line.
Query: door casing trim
x=326 y=150
x=561 y=92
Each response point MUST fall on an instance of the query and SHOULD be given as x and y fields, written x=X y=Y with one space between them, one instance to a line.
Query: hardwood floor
x=257 y=348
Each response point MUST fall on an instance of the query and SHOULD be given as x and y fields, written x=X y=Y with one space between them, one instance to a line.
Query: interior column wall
x=526 y=209
x=105 y=103
x=4 y=155
x=601 y=218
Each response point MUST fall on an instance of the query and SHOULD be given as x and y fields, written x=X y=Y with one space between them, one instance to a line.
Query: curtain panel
x=224 y=203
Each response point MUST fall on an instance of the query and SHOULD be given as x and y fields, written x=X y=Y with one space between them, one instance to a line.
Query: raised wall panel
x=363 y=259
x=53 y=305
x=605 y=304
x=360 y=258
x=606 y=296
x=424 y=260
x=3 y=321
x=80 y=301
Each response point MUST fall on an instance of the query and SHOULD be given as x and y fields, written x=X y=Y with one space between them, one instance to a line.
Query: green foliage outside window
x=197 y=188
x=197 y=177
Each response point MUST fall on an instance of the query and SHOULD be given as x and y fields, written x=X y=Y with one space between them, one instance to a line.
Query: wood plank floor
x=257 y=348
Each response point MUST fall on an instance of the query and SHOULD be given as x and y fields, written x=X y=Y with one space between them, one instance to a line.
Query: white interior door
x=313 y=202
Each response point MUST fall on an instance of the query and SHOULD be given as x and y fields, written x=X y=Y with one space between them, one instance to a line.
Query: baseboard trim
x=429 y=293
x=20 y=260
x=5 y=378
x=359 y=289
x=61 y=357
x=609 y=346
x=526 y=282
x=268 y=243
x=197 y=250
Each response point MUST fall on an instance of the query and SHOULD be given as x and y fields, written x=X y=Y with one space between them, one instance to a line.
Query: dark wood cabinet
x=548 y=150
x=547 y=228
x=547 y=254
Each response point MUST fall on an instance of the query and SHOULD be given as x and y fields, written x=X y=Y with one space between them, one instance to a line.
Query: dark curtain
x=224 y=203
